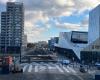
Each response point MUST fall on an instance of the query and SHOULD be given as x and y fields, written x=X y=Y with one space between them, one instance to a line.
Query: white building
x=91 y=53
x=94 y=24
x=73 y=41
x=85 y=46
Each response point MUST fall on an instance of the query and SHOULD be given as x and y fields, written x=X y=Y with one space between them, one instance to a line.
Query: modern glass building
x=94 y=24
x=71 y=43
x=91 y=53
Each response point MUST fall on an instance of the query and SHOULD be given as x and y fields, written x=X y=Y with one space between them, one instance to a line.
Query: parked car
x=66 y=62
x=82 y=69
x=97 y=65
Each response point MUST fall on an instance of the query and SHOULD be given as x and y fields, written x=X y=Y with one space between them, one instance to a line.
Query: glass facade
x=90 y=56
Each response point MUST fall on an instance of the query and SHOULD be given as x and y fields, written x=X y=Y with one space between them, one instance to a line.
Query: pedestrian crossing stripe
x=36 y=68
x=72 y=70
x=24 y=68
x=65 y=69
x=42 y=68
x=59 y=68
x=30 y=68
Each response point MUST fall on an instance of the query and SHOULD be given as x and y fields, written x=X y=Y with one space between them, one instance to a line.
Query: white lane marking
x=50 y=67
x=65 y=69
x=24 y=68
x=72 y=70
x=42 y=68
x=30 y=68
x=59 y=68
x=36 y=68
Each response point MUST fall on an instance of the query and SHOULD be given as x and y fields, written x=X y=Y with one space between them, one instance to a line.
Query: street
x=47 y=71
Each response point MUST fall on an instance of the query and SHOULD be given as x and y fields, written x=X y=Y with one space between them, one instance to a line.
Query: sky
x=46 y=18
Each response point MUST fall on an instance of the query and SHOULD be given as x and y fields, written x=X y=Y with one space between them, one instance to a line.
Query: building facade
x=71 y=43
x=12 y=29
x=91 y=53
x=52 y=42
x=94 y=24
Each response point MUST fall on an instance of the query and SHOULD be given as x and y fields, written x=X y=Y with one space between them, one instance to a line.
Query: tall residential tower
x=12 y=29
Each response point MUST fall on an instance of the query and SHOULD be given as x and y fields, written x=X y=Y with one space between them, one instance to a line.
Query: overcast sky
x=46 y=18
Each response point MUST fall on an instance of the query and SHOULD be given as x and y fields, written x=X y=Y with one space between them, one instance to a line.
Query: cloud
x=4 y=1
x=57 y=7
x=44 y=10
x=34 y=32
x=68 y=26
x=84 y=22
x=83 y=25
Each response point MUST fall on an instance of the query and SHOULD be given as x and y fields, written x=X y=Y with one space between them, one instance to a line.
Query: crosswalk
x=65 y=69
x=36 y=68
x=30 y=68
x=58 y=68
x=24 y=68
x=40 y=68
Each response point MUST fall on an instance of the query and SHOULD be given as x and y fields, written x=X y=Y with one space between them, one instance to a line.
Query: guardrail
x=39 y=61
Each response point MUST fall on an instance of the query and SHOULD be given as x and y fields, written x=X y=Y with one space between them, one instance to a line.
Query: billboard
x=79 y=37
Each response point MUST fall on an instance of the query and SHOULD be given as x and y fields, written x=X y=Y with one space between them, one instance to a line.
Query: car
x=82 y=69
x=66 y=62
x=97 y=65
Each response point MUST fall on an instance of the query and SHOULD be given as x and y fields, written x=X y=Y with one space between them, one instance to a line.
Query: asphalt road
x=43 y=76
x=47 y=71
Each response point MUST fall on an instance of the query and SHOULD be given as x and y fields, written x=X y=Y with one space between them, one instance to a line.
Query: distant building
x=41 y=44
x=52 y=42
x=12 y=29
x=24 y=43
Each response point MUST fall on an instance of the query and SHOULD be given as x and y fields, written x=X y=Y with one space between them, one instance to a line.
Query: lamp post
x=20 y=51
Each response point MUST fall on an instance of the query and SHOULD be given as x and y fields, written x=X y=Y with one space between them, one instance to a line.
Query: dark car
x=98 y=66
x=82 y=69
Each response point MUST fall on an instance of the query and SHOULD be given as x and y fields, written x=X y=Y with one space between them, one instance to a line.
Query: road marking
x=72 y=70
x=42 y=68
x=30 y=68
x=36 y=68
x=59 y=68
x=24 y=68
x=65 y=69
x=50 y=67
